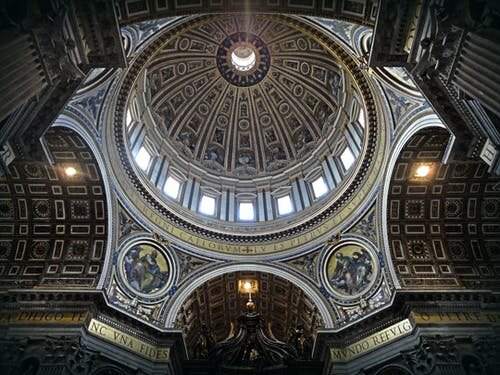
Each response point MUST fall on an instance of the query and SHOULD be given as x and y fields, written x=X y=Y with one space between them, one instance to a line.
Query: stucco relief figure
x=334 y=83
x=146 y=269
x=350 y=270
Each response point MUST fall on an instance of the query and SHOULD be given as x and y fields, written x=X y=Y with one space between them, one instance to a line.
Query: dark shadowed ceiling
x=444 y=229
x=53 y=228
x=217 y=304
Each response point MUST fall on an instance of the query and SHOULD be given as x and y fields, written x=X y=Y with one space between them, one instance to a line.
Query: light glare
x=422 y=171
x=143 y=158
x=347 y=158
x=285 y=205
x=243 y=58
x=207 y=205
x=172 y=187
x=319 y=187
x=246 y=211
x=70 y=171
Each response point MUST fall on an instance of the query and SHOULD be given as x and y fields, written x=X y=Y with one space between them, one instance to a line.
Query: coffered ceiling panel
x=53 y=220
x=444 y=227
x=218 y=304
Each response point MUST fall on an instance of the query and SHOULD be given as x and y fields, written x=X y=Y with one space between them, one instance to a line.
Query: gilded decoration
x=145 y=269
x=350 y=270
x=253 y=46
x=242 y=121
x=259 y=238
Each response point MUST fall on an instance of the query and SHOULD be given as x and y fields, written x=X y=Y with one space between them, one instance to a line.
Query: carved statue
x=81 y=360
x=300 y=342
x=204 y=343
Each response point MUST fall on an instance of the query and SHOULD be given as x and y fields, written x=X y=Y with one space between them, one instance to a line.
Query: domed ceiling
x=237 y=120
x=245 y=112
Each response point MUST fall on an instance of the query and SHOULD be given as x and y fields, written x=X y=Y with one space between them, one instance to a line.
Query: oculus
x=243 y=59
x=350 y=270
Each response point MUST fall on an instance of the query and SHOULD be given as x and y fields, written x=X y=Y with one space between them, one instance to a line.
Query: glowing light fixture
x=248 y=286
x=70 y=171
x=243 y=58
x=422 y=171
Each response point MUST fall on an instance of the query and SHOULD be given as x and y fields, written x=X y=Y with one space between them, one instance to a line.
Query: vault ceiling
x=250 y=136
x=444 y=228
x=218 y=304
x=244 y=123
x=53 y=228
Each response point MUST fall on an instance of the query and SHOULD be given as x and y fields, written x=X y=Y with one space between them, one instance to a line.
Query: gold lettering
x=163 y=354
x=491 y=318
x=43 y=317
x=102 y=330
x=99 y=329
x=128 y=342
x=78 y=317
x=371 y=342
x=407 y=326
x=23 y=316
x=456 y=317
x=338 y=354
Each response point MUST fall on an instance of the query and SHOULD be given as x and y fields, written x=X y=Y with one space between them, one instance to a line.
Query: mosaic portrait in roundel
x=146 y=268
x=350 y=270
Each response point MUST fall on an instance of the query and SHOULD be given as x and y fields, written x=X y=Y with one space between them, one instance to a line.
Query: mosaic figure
x=350 y=269
x=146 y=269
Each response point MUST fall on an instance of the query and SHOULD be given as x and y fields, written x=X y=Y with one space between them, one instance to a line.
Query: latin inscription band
x=43 y=317
x=456 y=317
x=128 y=342
x=371 y=342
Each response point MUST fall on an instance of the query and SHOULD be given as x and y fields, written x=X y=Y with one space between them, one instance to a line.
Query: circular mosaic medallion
x=243 y=59
x=146 y=269
x=350 y=270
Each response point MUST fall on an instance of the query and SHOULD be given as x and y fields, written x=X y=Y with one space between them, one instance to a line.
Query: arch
x=425 y=121
x=54 y=222
x=174 y=306
x=442 y=224
x=67 y=121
